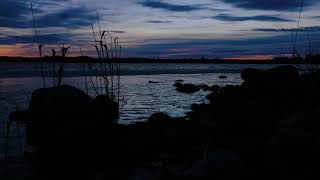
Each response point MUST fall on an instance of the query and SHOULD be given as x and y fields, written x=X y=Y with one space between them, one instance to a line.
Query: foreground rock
x=269 y=120
x=265 y=128
x=66 y=124
x=53 y=109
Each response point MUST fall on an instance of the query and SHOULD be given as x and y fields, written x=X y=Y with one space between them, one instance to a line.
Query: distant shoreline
x=153 y=61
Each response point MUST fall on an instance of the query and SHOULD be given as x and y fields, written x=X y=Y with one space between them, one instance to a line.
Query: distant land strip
x=85 y=59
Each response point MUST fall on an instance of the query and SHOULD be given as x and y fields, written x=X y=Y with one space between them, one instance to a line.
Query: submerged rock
x=154 y=82
x=204 y=87
x=179 y=81
x=178 y=84
x=187 y=88
x=159 y=118
x=223 y=77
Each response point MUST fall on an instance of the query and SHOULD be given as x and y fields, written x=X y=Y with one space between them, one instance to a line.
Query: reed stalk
x=39 y=46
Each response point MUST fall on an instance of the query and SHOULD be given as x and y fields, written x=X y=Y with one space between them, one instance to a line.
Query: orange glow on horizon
x=7 y=50
x=253 y=58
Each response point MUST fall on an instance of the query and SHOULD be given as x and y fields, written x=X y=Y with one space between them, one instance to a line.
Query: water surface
x=139 y=98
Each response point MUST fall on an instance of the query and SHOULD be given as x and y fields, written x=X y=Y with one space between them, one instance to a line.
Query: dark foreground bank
x=265 y=128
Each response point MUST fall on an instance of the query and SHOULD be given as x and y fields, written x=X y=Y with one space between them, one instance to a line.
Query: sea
x=144 y=89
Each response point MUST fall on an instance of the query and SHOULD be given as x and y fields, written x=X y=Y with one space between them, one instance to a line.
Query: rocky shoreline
x=265 y=128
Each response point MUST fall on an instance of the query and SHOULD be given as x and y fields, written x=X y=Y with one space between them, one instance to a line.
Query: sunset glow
x=164 y=29
x=7 y=51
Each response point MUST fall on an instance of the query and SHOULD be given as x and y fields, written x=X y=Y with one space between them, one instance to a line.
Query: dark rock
x=150 y=173
x=72 y=131
x=159 y=118
x=178 y=84
x=188 y=88
x=280 y=81
x=251 y=76
x=282 y=75
x=20 y=116
x=104 y=109
x=296 y=145
x=204 y=87
x=154 y=82
x=223 y=77
x=179 y=81
x=53 y=109
x=195 y=107
x=224 y=164
x=215 y=88
x=58 y=113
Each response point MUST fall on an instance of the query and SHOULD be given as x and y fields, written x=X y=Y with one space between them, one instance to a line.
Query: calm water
x=140 y=98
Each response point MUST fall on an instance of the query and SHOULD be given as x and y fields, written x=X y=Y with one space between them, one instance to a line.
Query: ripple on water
x=141 y=98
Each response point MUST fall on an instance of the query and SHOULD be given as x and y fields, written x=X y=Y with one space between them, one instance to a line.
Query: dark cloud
x=159 y=22
x=219 y=48
x=13 y=13
x=68 y=18
x=13 y=8
x=169 y=7
x=45 y=39
x=280 y=5
x=118 y=32
x=17 y=14
x=303 y=29
x=227 y=17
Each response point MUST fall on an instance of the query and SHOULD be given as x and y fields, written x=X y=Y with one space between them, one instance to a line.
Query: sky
x=163 y=28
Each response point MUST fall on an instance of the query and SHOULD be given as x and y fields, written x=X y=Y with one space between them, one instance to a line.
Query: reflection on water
x=139 y=97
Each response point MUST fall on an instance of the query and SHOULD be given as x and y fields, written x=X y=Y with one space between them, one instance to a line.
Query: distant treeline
x=85 y=59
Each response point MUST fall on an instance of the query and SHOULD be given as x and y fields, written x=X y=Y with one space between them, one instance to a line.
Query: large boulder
x=295 y=145
x=282 y=81
x=104 y=109
x=251 y=76
x=278 y=76
x=58 y=113
x=71 y=130
x=282 y=75
x=53 y=109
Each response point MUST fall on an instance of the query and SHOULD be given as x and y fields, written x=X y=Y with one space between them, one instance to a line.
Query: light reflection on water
x=140 y=98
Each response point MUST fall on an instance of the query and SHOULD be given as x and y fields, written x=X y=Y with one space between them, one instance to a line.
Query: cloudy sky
x=163 y=28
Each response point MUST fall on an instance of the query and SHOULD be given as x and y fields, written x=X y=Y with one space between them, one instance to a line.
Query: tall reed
x=39 y=46
x=107 y=71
